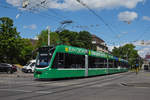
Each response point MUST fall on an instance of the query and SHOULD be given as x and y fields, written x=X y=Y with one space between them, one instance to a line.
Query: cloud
x=144 y=51
x=32 y=27
x=35 y=38
x=146 y=18
x=127 y=16
x=74 y=5
x=17 y=16
x=145 y=45
x=111 y=47
x=14 y=2
x=142 y=43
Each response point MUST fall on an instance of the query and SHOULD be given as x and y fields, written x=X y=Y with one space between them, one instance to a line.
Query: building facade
x=146 y=63
x=100 y=44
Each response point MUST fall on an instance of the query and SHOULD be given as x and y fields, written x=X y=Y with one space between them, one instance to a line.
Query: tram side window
x=91 y=62
x=122 y=64
x=126 y=65
x=95 y=62
x=65 y=60
x=59 y=61
x=105 y=63
x=74 y=61
x=111 y=64
x=119 y=64
x=116 y=64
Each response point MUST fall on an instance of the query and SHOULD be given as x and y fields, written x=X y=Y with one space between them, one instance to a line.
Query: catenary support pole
x=86 y=65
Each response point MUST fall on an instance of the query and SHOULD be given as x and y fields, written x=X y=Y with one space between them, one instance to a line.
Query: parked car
x=4 y=67
x=29 y=67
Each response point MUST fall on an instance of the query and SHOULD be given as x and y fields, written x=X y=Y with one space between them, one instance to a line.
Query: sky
x=117 y=22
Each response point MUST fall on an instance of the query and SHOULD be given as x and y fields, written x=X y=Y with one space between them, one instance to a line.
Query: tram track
x=73 y=87
x=85 y=83
x=52 y=82
x=28 y=84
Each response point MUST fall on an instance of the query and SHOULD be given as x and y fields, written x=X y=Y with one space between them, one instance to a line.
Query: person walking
x=136 y=68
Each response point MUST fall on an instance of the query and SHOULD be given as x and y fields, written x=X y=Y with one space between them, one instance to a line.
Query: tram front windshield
x=44 y=58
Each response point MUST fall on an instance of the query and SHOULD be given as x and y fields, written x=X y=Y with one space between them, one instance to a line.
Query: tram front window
x=44 y=56
x=43 y=60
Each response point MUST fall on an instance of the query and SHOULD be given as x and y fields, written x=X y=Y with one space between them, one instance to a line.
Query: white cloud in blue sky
x=32 y=26
x=145 y=47
x=74 y=5
x=142 y=43
x=14 y=2
x=17 y=16
x=147 y=18
x=127 y=16
x=144 y=51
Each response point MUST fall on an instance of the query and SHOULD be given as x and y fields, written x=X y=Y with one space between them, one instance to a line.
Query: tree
x=10 y=45
x=13 y=49
x=43 y=38
x=86 y=39
x=82 y=39
x=68 y=37
x=127 y=52
x=26 y=51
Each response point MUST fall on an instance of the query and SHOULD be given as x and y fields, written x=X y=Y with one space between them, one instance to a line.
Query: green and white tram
x=65 y=61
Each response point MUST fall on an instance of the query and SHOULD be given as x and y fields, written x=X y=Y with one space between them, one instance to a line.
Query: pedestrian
x=136 y=68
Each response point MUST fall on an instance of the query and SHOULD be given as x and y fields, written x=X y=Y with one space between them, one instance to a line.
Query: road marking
x=26 y=91
x=44 y=92
x=101 y=85
x=15 y=90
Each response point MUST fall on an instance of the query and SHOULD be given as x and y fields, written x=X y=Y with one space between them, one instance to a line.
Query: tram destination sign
x=76 y=50
x=98 y=54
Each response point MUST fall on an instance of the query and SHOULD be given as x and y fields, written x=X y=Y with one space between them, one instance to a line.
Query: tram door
x=86 y=65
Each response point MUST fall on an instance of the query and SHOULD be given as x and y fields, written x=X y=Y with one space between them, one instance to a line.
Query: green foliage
x=9 y=41
x=13 y=49
x=127 y=52
x=68 y=37
x=26 y=51
x=82 y=39
x=43 y=38
x=86 y=39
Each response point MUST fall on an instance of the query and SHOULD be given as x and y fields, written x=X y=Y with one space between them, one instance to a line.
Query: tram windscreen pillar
x=86 y=65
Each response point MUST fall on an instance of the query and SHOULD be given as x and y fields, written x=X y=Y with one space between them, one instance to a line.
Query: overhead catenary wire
x=38 y=5
x=98 y=16
x=47 y=14
x=35 y=10
x=41 y=5
x=144 y=33
x=31 y=11
x=51 y=10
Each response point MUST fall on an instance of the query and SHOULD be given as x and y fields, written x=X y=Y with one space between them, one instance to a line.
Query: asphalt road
x=124 y=86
